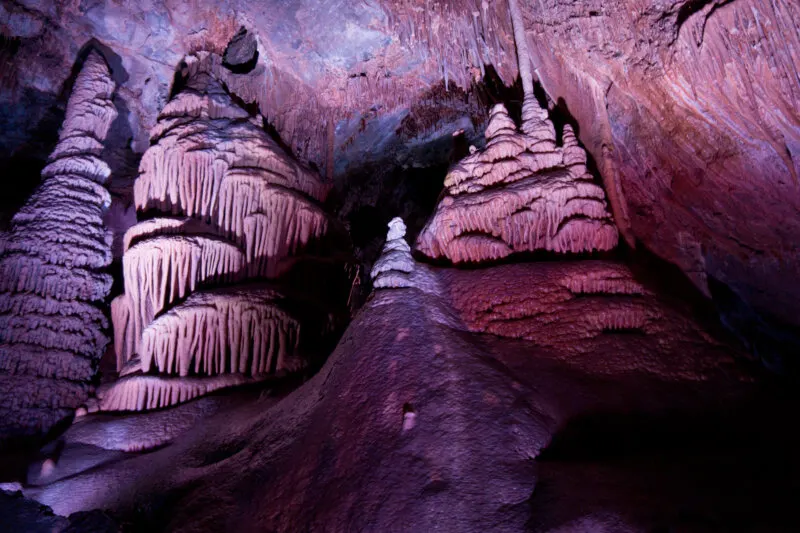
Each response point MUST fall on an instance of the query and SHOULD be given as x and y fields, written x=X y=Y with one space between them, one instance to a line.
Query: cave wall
x=689 y=108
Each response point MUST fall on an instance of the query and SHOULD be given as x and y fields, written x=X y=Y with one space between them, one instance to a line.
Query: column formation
x=52 y=281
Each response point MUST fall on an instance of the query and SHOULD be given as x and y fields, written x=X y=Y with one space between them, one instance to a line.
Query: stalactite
x=162 y=269
x=224 y=331
x=167 y=226
x=140 y=392
x=241 y=208
x=124 y=330
x=521 y=41
x=520 y=193
x=52 y=288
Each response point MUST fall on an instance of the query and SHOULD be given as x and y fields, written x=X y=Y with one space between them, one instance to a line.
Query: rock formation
x=558 y=394
x=227 y=207
x=241 y=53
x=52 y=285
x=396 y=268
x=341 y=454
x=521 y=193
x=690 y=109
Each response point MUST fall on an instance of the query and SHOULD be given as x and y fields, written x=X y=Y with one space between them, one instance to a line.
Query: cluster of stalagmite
x=233 y=207
x=52 y=285
x=521 y=193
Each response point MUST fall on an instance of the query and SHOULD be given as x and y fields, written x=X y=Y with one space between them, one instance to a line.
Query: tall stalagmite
x=232 y=208
x=52 y=284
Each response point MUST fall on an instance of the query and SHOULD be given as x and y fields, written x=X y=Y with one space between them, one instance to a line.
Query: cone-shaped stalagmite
x=521 y=193
x=52 y=326
x=235 y=207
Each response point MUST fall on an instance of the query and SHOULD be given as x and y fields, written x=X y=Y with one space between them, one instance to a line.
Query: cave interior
x=330 y=265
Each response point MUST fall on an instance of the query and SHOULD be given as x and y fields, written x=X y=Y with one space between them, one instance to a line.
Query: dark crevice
x=772 y=342
x=624 y=331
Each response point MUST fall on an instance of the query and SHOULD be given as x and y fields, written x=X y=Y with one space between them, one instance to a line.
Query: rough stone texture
x=241 y=53
x=19 y=514
x=52 y=288
x=521 y=193
x=583 y=310
x=416 y=424
x=137 y=431
x=336 y=61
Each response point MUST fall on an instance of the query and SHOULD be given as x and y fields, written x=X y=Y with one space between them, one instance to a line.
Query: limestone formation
x=592 y=313
x=144 y=392
x=52 y=285
x=396 y=268
x=521 y=193
x=227 y=206
x=227 y=330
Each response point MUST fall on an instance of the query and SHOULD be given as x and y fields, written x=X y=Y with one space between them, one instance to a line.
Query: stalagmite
x=233 y=207
x=52 y=325
x=396 y=268
x=521 y=193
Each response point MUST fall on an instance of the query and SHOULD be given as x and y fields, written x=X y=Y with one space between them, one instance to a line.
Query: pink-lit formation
x=225 y=207
x=509 y=368
x=52 y=285
x=521 y=193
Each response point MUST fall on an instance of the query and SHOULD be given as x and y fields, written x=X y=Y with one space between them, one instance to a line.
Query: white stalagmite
x=233 y=207
x=52 y=288
x=396 y=268
x=521 y=193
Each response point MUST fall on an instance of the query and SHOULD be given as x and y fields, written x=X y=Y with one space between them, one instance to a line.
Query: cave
x=462 y=265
